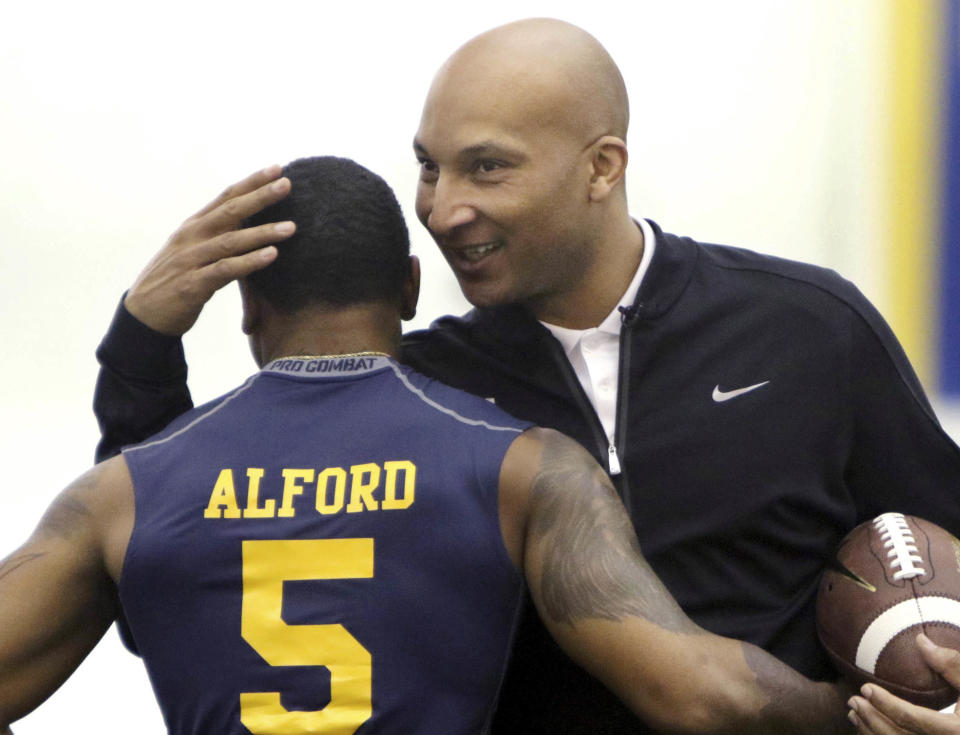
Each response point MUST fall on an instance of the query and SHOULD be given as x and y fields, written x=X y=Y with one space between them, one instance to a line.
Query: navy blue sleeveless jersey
x=319 y=551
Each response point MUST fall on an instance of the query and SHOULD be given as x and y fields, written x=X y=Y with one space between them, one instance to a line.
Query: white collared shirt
x=594 y=353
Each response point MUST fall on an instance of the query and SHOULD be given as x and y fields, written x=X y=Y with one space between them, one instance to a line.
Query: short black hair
x=351 y=245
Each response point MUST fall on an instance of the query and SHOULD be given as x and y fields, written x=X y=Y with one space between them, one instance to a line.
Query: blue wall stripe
x=948 y=347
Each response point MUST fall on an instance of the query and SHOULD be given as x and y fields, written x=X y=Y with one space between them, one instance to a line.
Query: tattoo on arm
x=9 y=566
x=790 y=697
x=65 y=518
x=68 y=514
x=775 y=678
x=592 y=565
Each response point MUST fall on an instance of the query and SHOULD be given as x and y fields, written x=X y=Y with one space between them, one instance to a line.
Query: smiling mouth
x=476 y=253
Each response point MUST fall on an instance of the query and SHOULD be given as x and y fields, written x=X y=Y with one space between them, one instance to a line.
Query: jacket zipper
x=604 y=446
x=613 y=460
x=620 y=422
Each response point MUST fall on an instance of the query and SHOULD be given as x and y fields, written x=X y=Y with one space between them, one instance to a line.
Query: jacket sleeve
x=141 y=386
x=901 y=458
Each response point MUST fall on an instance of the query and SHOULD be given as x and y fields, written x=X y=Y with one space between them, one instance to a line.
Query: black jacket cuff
x=134 y=350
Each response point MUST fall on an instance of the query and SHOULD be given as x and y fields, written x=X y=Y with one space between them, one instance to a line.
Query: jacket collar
x=670 y=271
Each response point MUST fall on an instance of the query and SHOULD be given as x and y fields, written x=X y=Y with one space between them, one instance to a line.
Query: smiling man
x=525 y=196
x=749 y=410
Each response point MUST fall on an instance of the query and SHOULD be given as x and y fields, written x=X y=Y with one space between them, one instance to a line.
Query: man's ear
x=609 y=166
x=251 y=309
x=410 y=294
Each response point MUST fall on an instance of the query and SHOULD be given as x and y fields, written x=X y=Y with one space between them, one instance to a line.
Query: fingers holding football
x=945 y=661
x=877 y=712
x=869 y=721
x=208 y=251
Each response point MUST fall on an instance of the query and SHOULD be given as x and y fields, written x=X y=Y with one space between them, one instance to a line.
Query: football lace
x=905 y=559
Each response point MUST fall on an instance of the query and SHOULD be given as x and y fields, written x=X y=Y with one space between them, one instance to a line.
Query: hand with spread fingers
x=877 y=712
x=208 y=251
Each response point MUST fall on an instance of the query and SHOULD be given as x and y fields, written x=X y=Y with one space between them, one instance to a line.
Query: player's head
x=522 y=150
x=351 y=245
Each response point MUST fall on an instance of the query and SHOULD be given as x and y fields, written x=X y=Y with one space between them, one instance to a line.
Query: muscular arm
x=57 y=597
x=608 y=610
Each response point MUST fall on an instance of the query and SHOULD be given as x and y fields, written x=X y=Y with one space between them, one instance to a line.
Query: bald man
x=749 y=410
x=525 y=197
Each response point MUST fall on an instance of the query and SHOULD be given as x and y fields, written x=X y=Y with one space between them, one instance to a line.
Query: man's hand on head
x=207 y=252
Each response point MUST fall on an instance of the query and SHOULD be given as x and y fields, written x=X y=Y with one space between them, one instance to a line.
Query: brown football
x=893 y=577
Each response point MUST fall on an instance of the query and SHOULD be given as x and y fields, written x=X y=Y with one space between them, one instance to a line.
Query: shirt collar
x=570 y=338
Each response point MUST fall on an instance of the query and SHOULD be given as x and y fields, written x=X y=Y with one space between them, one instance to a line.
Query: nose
x=442 y=206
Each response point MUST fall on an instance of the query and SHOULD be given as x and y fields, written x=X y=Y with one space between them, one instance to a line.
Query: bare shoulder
x=96 y=510
x=57 y=595
x=538 y=453
x=88 y=500
x=534 y=457
x=548 y=471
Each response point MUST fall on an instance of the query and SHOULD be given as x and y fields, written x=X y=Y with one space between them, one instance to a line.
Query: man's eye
x=487 y=165
x=428 y=169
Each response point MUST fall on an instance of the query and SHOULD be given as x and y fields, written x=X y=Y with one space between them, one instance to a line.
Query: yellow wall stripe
x=914 y=177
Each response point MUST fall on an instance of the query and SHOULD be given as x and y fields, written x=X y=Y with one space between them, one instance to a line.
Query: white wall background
x=755 y=122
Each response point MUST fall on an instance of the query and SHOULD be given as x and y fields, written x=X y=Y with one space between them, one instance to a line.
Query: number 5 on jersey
x=266 y=566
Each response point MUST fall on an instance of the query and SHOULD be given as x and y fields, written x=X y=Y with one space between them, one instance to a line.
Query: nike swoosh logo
x=725 y=395
x=840 y=568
